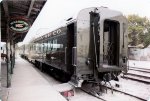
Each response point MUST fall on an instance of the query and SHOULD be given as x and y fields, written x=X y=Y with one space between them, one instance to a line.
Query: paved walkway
x=3 y=81
x=29 y=85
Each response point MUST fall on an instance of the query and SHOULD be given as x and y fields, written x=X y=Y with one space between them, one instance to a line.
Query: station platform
x=28 y=85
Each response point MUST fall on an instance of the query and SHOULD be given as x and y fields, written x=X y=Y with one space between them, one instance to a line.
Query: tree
x=139 y=30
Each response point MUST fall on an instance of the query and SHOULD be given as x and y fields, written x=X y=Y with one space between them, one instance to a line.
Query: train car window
x=44 y=46
x=33 y=46
x=36 y=44
x=54 y=45
x=62 y=43
x=38 y=48
x=30 y=47
x=41 y=48
x=49 y=45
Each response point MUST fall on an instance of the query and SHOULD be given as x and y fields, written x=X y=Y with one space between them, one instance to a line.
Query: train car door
x=111 y=42
x=70 y=49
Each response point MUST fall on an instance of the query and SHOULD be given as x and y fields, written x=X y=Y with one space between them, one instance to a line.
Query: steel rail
x=126 y=93
x=139 y=80
x=139 y=70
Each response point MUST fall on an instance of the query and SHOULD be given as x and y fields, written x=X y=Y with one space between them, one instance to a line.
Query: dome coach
x=91 y=47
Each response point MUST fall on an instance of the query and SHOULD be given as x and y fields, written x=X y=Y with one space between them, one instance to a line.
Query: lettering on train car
x=56 y=32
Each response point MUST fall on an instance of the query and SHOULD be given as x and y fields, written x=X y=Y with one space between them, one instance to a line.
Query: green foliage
x=139 y=30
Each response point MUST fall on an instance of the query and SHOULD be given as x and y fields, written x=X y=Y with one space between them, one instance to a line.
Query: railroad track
x=139 y=69
x=126 y=93
x=93 y=94
x=113 y=90
x=138 y=74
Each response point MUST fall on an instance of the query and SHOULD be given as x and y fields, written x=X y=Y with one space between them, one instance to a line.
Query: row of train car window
x=49 y=45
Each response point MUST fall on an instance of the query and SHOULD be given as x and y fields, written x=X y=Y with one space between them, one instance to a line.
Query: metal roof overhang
x=28 y=9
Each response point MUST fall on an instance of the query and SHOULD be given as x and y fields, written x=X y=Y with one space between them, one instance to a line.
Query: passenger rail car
x=91 y=47
x=24 y=51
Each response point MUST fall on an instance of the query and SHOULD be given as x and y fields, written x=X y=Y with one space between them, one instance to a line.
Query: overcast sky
x=55 y=11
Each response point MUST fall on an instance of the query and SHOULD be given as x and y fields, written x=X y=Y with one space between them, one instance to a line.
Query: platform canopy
x=17 y=16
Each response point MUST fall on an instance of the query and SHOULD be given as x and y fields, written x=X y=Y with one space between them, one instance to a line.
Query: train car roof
x=101 y=9
x=74 y=18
